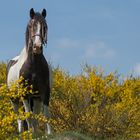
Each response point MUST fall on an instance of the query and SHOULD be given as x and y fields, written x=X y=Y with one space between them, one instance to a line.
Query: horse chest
x=35 y=78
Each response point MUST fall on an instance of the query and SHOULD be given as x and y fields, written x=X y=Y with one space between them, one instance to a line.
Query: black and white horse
x=33 y=67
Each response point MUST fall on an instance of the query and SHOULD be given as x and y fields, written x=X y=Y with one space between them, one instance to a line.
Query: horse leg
x=47 y=114
x=36 y=110
x=16 y=105
x=27 y=110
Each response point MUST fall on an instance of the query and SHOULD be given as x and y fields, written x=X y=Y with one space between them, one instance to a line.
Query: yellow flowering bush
x=96 y=104
x=8 y=118
x=92 y=103
x=2 y=72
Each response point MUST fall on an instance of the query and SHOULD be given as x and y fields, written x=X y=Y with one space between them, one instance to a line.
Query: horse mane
x=37 y=18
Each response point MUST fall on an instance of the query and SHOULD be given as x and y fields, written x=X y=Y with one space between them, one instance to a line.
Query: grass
x=69 y=136
x=75 y=136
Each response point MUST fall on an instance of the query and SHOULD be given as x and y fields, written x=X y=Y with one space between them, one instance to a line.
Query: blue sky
x=102 y=33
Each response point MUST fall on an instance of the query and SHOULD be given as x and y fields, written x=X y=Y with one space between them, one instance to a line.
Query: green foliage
x=69 y=136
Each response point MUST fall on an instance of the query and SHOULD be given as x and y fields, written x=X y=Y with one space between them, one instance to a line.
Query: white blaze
x=37 y=37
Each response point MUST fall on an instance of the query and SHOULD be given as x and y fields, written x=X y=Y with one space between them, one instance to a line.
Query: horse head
x=36 y=32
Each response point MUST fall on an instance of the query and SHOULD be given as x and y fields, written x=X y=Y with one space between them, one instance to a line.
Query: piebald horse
x=33 y=67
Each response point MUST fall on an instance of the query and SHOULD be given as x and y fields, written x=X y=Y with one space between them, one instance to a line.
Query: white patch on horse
x=20 y=125
x=16 y=58
x=37 y=35
x=46 y=113
x=48 y=129
x=14 y=71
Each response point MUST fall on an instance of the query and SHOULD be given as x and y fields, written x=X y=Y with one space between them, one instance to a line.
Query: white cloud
x=67 y=43
x=79 y=50
x=137 y=69
x=99 y=50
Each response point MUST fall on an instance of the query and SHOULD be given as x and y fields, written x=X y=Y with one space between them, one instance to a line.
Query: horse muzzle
x=37 y=49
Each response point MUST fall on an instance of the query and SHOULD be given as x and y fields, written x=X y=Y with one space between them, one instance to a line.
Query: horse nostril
x=37 y=45
x=34 y=48
x=37 y=49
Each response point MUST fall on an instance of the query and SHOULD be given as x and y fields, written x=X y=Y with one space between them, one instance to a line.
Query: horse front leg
x=36 y=111
x=27 y=107
x=47 y=114
x=45 y=101
x=16 y=106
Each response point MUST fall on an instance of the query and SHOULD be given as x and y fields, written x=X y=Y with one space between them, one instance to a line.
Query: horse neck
x=33 y=59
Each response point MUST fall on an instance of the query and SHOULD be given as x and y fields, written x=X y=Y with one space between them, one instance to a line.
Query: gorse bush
x=8 y=118
x=95 y=104
x=2 y=72
x=92 y=103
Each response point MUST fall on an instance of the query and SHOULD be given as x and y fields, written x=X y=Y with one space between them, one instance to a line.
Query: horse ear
x=44 y=13
x=32 y=13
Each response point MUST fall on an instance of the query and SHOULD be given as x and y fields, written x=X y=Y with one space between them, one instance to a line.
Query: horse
x=34 y=68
